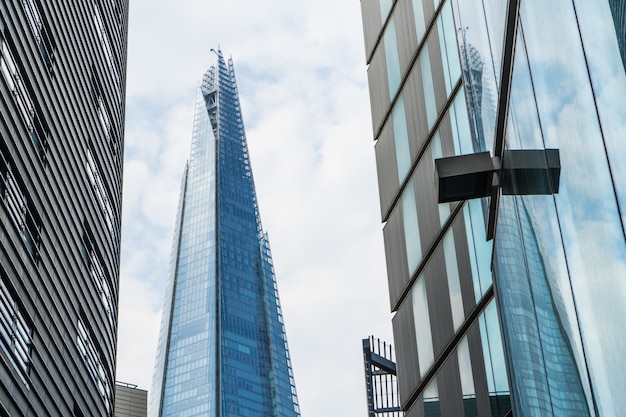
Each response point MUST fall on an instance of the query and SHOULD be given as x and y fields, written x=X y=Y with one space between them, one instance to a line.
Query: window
x=15 y=333
x=23 y=100
x=19 y=209
x=94 y=364
x=100 y=191
x=106 y=48
x=99 y=277
x=37 y=27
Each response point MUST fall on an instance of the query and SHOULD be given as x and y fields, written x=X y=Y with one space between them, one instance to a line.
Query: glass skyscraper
x=509 y=304
x=222 y=348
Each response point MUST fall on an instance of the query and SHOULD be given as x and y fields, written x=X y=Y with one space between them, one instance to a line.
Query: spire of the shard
x=222 y=348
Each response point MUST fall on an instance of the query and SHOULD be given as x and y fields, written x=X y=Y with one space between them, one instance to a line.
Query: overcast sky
x=302 y=82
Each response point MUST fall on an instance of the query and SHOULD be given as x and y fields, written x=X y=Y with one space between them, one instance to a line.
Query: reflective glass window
x=401 y=138
x=431 y=400
x=392 y=57
x=454 y=281
x=411 y=228
x=555 y=105
x=448 y=46
x=385 y=8
x=423 y=334
x=480 y=37
x=495 y=366
x=467 y=378
x=479 y=247
x=418 y=15
x=428 y=87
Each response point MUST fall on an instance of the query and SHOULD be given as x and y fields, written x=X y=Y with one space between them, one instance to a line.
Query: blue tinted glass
x=574 y=242
x=223 y=342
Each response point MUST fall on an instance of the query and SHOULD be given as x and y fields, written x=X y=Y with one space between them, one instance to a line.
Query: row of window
x=33 y=121
x=99 y=277
x=100 y=191
x=105 y=43
x=15 y=333
x=42 y=35
x=94 y=364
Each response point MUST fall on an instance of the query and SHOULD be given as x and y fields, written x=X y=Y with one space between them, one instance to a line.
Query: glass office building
x=507 y=304
x=222 y=348
x=62 y=78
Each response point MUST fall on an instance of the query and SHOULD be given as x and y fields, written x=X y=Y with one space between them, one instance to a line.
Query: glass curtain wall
x=438 y=257
x=558 y=260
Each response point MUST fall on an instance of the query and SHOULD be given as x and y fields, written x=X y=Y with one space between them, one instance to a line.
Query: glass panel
x=392 y=58
x=448 y=47
x=479 y=247
x=401 y=139
x=467 y=379
x=495 y=367
x=463 y=139
x=385 y=8
x=573 y=243
x=418 y=15
x=428 y=87
x=411 y=228
x=481 y=32
x=609 y=83
x=423 y=334
x=431 y=400
x=454 y=282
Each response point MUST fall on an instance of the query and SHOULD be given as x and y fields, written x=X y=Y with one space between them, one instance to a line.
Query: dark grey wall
x=64 y=70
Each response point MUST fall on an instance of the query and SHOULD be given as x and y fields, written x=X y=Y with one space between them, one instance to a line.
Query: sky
x=302 y=80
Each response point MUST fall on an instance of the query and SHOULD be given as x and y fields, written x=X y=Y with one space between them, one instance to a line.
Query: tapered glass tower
x=222 y=348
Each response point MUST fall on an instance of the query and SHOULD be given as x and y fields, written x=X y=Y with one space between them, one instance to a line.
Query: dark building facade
x=130 y=401
x=222 y=348
x=62 y=78
x=507 y=303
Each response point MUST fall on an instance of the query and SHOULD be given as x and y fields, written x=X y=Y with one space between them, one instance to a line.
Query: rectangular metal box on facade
x=62 y=78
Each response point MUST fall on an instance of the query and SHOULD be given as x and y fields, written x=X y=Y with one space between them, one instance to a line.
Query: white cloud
x=302 y=81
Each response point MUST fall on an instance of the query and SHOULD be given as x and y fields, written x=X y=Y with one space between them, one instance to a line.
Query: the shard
x=222 y=347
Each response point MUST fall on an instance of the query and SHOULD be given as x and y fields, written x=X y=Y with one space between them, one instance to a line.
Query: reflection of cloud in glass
x=586 y=204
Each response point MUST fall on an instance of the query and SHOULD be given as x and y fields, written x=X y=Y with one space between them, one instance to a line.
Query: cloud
x=302 y=82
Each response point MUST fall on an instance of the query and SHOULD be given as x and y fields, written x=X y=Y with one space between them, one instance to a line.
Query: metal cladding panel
x=438 y=302
x=130 y=402
x=483 y=402
x=406 y=351
x=450 y=394
x=464 y=265
x=416 y=112
x=64 y=64
x=379 y=90
x=387 y=168
x=405 y=29
x=395 y=251
x=425 y=197
x=416 y=410
x=437 y=70
x=370 y=12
